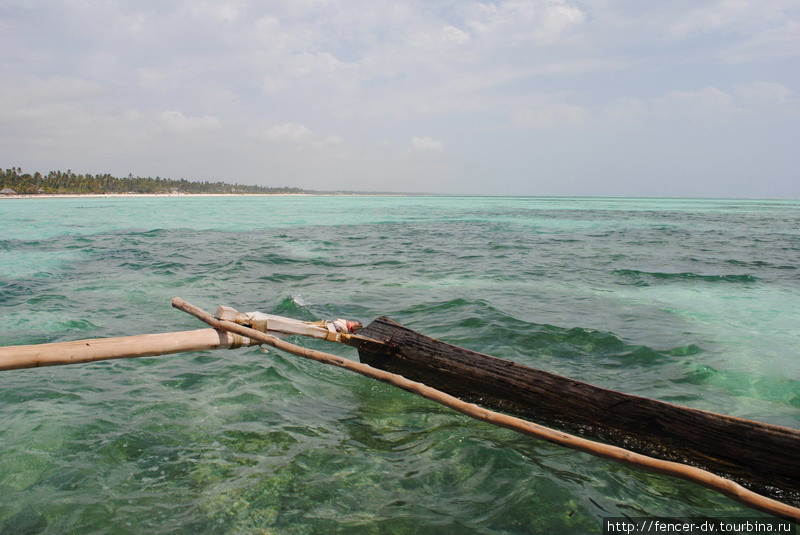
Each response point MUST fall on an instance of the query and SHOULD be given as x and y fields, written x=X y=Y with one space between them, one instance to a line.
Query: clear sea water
x=690 y=301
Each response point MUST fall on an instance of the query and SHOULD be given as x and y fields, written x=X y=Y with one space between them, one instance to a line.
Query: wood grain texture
x=91 y=350
x=760 y=456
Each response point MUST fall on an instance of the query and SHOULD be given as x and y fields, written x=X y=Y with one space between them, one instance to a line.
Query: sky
x=667 y=98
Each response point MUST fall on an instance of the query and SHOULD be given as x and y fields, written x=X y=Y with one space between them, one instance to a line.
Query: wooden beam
x=758 y=455
x=143 y=345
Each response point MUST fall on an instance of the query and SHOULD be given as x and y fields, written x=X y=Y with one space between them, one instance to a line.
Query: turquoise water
x=690 y=301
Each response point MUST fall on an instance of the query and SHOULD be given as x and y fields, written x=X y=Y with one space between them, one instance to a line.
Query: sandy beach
x=138 y=195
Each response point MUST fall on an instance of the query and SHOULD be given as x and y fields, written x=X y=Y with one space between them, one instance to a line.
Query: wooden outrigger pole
x=148 y=345
x=389 y=345
x=95 y=349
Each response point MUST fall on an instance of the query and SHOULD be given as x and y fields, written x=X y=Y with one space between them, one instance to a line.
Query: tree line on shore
x=69 y=182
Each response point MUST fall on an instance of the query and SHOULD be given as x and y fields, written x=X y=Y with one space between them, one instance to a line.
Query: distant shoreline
x=378 y=194
x=124 y=195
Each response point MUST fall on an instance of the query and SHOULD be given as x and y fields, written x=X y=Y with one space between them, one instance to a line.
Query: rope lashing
x=237 y=340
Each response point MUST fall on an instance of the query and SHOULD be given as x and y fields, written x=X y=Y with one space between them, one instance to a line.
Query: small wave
x=76 y=326
x=759 y=264
x=444 y=306
x=604 y=349
x=167 y=268
x=477 y=325
x=294 y=307
x=283 y=277
x=49 y=301
x=269 y=259
x=642 y=277
x=152 y=233
x=782 y=390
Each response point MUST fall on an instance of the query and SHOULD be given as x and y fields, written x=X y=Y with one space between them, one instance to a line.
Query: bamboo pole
x=688 y=473
x=143 y=345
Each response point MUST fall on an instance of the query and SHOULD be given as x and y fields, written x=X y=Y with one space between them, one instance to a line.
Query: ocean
x=691 y=301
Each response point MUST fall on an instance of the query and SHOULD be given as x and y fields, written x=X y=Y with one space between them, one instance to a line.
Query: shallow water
x=690 y=301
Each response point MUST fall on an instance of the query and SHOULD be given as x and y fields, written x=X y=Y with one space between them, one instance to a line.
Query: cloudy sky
x=516 y=97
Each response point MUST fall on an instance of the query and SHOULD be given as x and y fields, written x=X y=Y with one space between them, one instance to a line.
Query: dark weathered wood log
x=760 y=456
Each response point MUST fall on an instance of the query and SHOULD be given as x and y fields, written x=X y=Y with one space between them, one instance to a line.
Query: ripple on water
x=691 y=301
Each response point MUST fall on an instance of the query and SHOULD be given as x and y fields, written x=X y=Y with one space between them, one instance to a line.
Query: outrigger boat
x=755 y=463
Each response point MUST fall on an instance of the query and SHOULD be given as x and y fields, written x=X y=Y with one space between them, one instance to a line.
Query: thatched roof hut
x=7 y=191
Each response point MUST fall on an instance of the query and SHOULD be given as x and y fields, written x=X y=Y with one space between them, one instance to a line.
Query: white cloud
x=269 y=33
x=221 y=11
x=747 y=30
x=576 y=67
x=101 y=62
x=276 y=37
x=514 y=21
x=771 y=43
x=742 y=16
x=289 y=133
x=175 y=121
x=426 y=145
x=549 y=114
x=453 y=35
x=333 y=141
x=307 y=63
x=19 y=94
x=626 y=110
x=558 y=17
x=131 y=23
x=765 y=91
x=703 y=101
x=710 y=107
x=153 y=78
x=273 y=84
